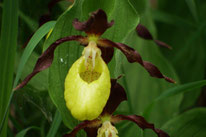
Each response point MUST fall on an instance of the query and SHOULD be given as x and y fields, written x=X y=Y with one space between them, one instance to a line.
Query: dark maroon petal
x=162 y=44
x=91 y=132
x=144 y=33
x=141 y=122
x=97 y=23
x=117 y=95
x=86 y=124
x=107 y=53
x=45 y=60
x=155 y=72
x=133 y=56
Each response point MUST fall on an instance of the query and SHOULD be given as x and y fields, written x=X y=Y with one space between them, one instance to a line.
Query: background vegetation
x=39 y=110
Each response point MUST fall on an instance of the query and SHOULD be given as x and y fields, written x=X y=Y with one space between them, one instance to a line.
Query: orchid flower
x=103 y=126
x=87 y=84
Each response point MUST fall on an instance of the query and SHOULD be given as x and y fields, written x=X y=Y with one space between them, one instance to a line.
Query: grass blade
x=40 y=33
x=167 y=18
x=30 y=22
x=55 y=124
x=8 y=43
x=181 y=89
x=193 y=9
x=23 y=132
x=172 y=92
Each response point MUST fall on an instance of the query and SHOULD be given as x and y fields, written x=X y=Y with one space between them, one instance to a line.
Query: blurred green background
x=38 y=109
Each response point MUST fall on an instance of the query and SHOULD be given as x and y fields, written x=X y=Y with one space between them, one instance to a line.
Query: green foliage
x=188 y=54
x=8 y=43
x=27 y=52
x=39 y=34
x=55 y=124
x=23 y=132
x=180 y=89
x=41 y=103
x=141 y=88
x=191 y=123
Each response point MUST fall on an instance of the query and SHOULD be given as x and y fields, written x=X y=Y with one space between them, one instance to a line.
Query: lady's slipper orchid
x=94 y=27
x=103 y=126
x=87 y=85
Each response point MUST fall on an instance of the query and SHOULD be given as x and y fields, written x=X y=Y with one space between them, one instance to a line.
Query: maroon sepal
x=45 y=60
x=141 y=122
x=97 y=23
x=83 y=125
x=107 y=53
x=155 y=72
x=133 y=56
x=117 y=95
x=144 y=33
x=160 y=43
x=91 y=132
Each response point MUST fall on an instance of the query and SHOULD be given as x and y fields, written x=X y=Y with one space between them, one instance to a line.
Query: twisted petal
x=144 y=33
x=85 y=125
x=91 y=131
x=107 y=53
x=141 y=122
x=97 y=23
x=117 y=95
x=45 y=60
x=133 y=56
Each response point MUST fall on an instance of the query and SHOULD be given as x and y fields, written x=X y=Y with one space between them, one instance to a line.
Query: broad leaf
x=180 y=89
x=189 y=124
x=186 y=38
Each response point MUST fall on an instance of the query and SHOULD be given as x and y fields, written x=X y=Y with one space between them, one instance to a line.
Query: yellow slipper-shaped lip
x=87 y=90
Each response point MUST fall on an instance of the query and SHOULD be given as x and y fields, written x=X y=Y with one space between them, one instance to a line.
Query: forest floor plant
x=90 y=95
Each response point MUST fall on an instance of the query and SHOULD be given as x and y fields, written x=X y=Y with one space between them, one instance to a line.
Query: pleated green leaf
x=187 y=39
x=189 y=124
x=180 y=89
